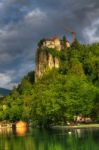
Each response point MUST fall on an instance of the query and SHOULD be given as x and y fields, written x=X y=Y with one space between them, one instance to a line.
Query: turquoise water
x=36 y=139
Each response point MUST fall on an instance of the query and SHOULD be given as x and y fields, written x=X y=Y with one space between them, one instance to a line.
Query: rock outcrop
x=44 y=59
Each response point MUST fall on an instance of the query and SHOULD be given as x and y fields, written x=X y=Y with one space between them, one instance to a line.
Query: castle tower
x=57 y=43
x=67 y=44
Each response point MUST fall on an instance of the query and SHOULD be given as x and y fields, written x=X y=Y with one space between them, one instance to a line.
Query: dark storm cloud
x=24 y=22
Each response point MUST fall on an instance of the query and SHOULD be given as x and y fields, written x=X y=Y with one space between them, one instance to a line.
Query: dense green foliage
x=62 y=93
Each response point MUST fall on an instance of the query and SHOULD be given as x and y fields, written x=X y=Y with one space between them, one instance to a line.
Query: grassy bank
x=80 y=126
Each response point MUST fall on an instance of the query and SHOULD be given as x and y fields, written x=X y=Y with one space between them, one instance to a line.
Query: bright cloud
x=91 y=33
x=24 y=22
x=5 y=81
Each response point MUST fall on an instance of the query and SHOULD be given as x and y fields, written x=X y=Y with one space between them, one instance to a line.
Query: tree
x=75 y=44
x=64 y=41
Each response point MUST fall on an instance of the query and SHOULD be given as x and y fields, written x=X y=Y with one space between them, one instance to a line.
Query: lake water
x=36 y=139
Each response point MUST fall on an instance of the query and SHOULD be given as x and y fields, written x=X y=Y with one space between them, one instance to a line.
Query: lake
x=39 y=139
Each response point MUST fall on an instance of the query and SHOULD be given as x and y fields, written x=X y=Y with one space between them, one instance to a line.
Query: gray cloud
x=24 y=22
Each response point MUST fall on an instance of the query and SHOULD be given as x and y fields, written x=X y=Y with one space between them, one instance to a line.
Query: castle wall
x=67 y=44
x=57 y=44
x=54 y=43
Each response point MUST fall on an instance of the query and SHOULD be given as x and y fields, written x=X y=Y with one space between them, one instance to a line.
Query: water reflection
x=5 y=131
x=21 y=131
x=36 y=139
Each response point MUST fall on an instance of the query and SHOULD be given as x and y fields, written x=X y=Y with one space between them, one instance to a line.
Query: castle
x=56 y=43
x=44 y=60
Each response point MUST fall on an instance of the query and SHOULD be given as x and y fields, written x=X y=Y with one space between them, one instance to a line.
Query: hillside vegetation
x=61 y=94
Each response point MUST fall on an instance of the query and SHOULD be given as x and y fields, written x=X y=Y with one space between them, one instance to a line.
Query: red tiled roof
x=67 y=41
x=52 y=39
x=56 y=37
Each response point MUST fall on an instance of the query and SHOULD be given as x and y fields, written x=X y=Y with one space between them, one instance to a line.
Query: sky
x=24 y=22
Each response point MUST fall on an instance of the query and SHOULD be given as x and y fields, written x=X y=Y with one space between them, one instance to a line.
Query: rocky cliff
x=45 y=61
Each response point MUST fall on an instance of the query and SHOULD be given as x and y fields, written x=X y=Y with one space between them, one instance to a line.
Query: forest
x=61 y=94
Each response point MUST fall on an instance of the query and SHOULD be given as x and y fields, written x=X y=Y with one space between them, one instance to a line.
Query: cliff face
x=45 y=61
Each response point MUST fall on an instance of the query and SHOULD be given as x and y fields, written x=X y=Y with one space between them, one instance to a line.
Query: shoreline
x=80 y=126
